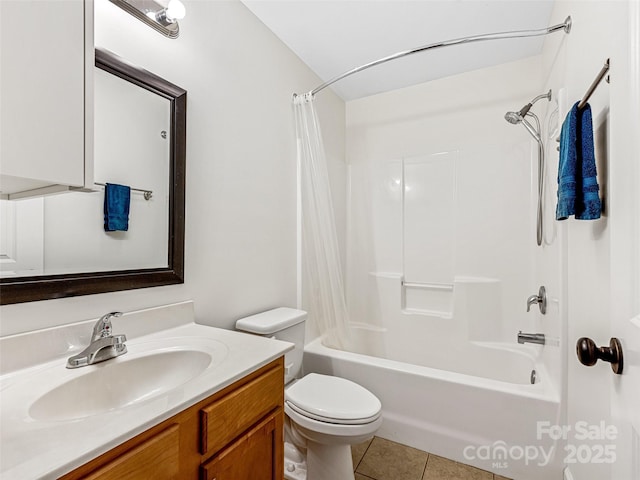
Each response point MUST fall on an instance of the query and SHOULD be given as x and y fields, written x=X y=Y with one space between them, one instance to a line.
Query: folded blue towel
x=577 y=178
x=116 y=207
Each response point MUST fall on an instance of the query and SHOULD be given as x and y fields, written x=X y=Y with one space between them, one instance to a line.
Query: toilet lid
x=333 y=399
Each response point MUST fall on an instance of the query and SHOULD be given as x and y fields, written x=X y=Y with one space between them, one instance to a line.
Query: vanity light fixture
x=160 y=15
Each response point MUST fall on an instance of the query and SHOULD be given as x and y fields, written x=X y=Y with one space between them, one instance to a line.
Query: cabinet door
x=157 y=458
x=43 y=47
x=256 y=455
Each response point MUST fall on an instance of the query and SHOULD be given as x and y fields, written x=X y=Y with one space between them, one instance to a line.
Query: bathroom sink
x=119 y=383
x=54 y=419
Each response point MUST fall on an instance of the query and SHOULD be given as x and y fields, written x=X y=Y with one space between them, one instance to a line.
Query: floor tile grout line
x=425 y=465
x=362 y=457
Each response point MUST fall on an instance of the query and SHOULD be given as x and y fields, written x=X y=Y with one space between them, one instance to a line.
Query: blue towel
x=577 y=178
x=116 y=207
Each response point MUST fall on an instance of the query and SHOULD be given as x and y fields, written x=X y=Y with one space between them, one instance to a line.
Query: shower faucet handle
x=540 y=299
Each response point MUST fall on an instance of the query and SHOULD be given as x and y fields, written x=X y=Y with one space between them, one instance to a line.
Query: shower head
x=516 y=117
x=521 y=117
x=513 y=117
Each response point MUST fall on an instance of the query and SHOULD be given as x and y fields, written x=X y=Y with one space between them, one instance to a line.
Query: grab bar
x=429 y=286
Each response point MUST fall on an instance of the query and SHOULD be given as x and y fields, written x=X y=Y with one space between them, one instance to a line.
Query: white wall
x=241 y=166
x=467 y=206
x=577 y=266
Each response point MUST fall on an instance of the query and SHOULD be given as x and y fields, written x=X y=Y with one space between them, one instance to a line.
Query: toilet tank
x=285 y=324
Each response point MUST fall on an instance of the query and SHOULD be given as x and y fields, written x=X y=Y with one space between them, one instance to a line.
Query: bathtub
x=473 y=403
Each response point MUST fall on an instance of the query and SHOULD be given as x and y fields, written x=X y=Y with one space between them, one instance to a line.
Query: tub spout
x=531 y=338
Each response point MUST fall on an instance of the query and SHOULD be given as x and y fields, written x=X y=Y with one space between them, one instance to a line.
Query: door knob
x=589 y=353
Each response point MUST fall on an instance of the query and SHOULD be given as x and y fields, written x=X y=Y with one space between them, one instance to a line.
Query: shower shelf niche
x=433 y=299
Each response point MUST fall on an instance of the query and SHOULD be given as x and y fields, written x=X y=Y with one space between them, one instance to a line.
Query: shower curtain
x=320 y=253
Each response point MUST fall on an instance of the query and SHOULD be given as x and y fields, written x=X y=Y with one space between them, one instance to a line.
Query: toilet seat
x=337 y=421
x=325 y=432
x=333 y=400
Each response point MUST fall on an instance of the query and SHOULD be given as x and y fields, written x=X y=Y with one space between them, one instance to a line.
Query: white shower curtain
x=322 y=269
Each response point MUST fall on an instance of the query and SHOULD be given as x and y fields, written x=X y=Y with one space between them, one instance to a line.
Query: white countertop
x=32 y=448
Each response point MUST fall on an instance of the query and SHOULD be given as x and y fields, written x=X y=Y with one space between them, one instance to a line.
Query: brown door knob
x=589 y=353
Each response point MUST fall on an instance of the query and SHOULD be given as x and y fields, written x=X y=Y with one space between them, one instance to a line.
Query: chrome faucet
x=531 y=338
x=103 y=344
x=540 y=299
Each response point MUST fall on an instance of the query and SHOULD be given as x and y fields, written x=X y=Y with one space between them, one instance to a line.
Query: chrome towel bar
x=147 y=193
x=603 y=71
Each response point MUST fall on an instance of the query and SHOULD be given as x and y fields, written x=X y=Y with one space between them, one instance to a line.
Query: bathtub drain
x=533 y=377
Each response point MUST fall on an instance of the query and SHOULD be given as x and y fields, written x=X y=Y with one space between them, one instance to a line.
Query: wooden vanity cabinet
x=235 y=434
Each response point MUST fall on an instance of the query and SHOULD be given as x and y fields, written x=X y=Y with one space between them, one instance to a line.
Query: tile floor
x=381 y=459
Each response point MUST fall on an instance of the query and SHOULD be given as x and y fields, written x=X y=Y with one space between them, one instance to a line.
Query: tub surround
x=56 y=442
x=447 y=382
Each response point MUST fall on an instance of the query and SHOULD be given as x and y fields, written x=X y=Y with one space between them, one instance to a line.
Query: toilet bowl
x=325 y=415
x=331 y=414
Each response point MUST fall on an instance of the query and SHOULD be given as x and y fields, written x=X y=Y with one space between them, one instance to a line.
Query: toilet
x=325 y=415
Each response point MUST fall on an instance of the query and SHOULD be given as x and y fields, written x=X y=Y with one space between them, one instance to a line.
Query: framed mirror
x=140 y=141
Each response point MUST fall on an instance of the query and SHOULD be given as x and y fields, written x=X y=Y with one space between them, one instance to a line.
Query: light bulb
x=175 y=10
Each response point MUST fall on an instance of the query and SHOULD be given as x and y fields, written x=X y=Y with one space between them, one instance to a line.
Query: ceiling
x=334 y=36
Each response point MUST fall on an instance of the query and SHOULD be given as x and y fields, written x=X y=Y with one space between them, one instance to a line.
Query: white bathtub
x=477 y=405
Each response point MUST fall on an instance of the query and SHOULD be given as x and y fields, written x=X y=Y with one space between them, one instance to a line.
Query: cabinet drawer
x=157 y=458
x=225 y=419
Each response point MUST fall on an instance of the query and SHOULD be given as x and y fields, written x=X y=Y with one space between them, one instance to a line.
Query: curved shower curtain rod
x=566 y=26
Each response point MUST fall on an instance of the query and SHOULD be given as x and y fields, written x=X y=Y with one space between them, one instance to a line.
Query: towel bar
x=603 y=71
x=147 y=193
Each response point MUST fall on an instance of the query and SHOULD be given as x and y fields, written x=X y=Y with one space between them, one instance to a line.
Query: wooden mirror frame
x=44 y=287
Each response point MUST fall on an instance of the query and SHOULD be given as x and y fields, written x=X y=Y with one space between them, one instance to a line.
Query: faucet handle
x=540 y=299
x=102 y=328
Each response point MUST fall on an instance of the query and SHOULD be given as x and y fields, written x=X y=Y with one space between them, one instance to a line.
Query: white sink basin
x=118 y=383
x=155 y=368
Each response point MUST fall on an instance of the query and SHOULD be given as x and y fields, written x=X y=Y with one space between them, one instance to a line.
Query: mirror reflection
x=64 y=233
x=58 y=245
